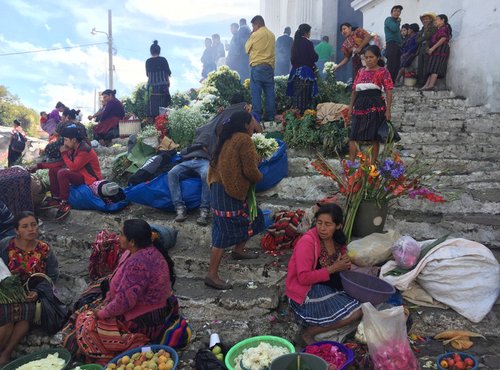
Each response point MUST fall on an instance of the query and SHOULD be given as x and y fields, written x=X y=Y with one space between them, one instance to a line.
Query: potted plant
x=369 y=186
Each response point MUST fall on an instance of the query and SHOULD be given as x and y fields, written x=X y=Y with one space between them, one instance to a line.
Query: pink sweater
x=140 y=284
x=302 y=273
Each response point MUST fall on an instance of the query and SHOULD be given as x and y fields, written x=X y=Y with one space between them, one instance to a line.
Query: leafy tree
x=11 y=108
x=138 y=103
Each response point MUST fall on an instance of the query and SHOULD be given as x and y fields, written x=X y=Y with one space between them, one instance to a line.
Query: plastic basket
x=346 y=351
x=236 y=350
x=63 y=354
x=366 y=288
x=129 y=127
x=88 y=367
x=268 y=219
x=153 y=347
x=463 y=356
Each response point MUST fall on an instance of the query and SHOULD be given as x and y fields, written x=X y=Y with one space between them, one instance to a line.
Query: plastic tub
x=292 y=362
x=236 y=350
x=268 y=219
x=63 y=354
x=153 y=347
x=366 y=288
x=349 y=354
x=88 y=367
x=463 y=356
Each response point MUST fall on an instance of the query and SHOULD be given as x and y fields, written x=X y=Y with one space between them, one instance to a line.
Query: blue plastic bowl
x=463 y=356
x=346 y=351
x=153 y=347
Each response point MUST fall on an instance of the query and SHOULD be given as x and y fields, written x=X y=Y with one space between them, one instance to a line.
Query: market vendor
x=109 y=118
x=24 y=255
x=313 y=285
x=139 y=304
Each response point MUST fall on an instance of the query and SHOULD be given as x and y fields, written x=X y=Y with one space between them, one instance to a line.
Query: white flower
x=265 y=147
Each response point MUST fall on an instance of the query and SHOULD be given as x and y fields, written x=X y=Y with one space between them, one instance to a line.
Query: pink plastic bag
x=406 y=252
x=385 y=333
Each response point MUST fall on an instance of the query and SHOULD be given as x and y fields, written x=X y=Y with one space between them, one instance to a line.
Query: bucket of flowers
x=366 y=181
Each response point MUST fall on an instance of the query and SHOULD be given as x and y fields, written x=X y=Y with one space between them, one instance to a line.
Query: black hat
x=71 y=132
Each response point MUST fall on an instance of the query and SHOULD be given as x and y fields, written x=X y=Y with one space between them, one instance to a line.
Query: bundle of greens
x=11 y=290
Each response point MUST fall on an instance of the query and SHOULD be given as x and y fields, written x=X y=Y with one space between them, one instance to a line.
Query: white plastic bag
x=406 y=252
x=385 y=333
x=4 y=270
x=372 y=249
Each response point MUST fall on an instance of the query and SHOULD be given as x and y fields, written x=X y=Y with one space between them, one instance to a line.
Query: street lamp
x=109 y=35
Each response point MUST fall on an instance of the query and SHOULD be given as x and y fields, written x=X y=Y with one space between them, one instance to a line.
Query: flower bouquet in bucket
x=265 y=147
x=380 y=182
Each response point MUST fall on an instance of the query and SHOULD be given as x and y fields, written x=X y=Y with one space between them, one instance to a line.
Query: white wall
x=473 y=66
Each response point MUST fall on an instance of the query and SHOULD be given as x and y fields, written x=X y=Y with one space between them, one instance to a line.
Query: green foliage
x=183 y=123
x=282 y=100
x=138 y=103
x=331 y=90
x=223 y=84
x=11 y=108
x=179 y=100
x=302 y=132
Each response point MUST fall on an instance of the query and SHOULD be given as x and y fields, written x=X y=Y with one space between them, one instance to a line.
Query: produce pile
x=51 y=362
x=394 y=355
x=455 y=361
x=258 y=358
x=160 y=360
x=330 y=353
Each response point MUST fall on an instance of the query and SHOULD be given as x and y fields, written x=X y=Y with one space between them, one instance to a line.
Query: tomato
x=469 y=361
x=456 y=357
x=443 y=364
x=450 y=361
x=459 y=365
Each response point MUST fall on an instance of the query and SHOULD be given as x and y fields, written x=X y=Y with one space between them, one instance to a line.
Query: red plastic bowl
x=366 y=288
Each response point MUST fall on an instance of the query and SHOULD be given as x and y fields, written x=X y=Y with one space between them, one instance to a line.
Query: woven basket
x=129 y=127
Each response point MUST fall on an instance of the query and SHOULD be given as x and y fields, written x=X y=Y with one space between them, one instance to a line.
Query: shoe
x=63 y=211
x=212 y=284
x=248 y=255
x=181 y=214
x=203 y=219
x=49 y=203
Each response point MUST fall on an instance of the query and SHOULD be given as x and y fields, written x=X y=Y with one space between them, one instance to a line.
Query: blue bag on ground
x=274 y=169
x=167 y=236
x=82 y=197
x=155 y=193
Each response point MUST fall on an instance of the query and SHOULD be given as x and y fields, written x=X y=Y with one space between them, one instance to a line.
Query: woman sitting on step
x=313 y=285
x=24 y=255
x=139 y=304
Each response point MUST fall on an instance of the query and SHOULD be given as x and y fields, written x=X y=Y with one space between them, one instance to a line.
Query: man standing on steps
x=196 y=159
x=393 y=40
x=261 y=49
x=284 y=53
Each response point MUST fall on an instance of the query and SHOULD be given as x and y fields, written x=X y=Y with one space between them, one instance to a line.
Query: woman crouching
x=313 y=283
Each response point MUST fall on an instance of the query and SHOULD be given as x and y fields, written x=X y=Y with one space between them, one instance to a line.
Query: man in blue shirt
x=393 y=40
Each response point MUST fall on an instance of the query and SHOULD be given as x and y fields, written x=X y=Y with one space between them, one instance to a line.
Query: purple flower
x=419 y=192
x=392 y=169
x=397 y=171
x=354 y=164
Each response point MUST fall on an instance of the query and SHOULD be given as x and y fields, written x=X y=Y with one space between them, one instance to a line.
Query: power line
x=53 y=49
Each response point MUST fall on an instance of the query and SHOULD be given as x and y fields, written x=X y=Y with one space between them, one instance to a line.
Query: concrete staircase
x=462 y=142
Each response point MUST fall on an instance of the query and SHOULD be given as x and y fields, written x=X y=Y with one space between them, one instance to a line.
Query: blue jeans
x=262 y=79
x=184 y=170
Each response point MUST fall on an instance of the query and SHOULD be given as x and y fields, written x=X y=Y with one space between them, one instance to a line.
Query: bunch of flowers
x=410 y=74
x=329 y=68
x=260 y=357
x=161 y=124
x=330 y=353
x=265 y=147
x=365 y=179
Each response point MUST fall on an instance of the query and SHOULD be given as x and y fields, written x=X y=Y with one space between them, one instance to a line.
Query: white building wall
x=473 y=70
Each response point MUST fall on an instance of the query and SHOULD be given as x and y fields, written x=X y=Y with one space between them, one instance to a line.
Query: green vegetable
x=11 y=290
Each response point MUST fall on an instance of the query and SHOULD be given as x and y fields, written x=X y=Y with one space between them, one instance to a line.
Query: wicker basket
x=129 y=127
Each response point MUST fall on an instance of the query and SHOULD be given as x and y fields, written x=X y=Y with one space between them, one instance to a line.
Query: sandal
x=244 y=256
x=212 y=284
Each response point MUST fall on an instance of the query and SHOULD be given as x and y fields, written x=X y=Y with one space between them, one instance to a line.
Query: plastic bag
x=406 y=252
x=373 y=249
x=387 y=339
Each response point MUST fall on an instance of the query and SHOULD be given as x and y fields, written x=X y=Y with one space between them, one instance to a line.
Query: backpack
x=18 y=142
x=105 y=255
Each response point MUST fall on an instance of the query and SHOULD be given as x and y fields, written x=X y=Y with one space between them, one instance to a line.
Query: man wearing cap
x=82 y=168
x=261 y=50
x=423 y=39
x=393 y=40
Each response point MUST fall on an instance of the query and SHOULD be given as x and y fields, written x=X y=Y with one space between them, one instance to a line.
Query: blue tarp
x=81 y=197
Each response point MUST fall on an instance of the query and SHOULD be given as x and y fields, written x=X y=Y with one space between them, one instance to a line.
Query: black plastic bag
x=387 y=133
x=206 y=360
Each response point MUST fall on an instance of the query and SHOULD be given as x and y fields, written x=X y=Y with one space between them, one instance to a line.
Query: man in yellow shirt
x=261 y=49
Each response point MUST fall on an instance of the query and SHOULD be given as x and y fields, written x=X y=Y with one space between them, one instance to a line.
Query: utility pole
x=110 y=50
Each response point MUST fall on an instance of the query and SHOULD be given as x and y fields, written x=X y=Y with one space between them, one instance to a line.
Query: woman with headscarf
x=302 y=84
x=423 y=39
x=112 y=113
x=355 y=41
x=158 y=72
x=439 y=51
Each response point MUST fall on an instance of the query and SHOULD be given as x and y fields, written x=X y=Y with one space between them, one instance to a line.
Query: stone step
x=449 y=138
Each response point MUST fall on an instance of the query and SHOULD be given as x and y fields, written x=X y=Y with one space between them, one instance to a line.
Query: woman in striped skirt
x=313 y=285
x=439 y=52
x=233 y=169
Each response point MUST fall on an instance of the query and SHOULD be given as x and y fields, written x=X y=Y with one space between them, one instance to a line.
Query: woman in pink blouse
x=368 y=108
x=139 y=305
x=439 y=52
